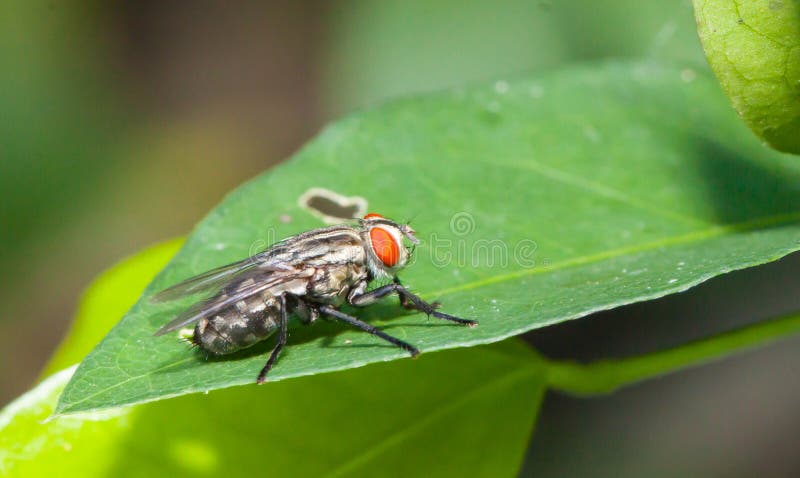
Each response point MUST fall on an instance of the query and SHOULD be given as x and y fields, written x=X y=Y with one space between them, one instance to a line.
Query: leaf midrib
x=688 y=238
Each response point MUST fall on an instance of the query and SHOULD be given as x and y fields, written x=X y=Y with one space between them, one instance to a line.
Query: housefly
x=309 y=275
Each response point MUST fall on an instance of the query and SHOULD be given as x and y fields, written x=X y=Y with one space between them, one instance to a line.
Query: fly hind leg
x=282 y=336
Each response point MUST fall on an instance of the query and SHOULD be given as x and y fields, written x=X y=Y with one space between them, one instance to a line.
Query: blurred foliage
x=58 y=115
x=754 y=49
x=377 y=50
x=362 y=422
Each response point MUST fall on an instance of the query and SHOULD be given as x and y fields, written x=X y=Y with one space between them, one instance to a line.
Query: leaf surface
x=363 y=422
x=754 y=49
x=538 y=200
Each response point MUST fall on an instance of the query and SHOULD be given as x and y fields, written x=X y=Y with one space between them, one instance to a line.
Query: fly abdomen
x=245 y=323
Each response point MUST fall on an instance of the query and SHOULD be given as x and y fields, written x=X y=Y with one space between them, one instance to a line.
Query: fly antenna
x=412 y=218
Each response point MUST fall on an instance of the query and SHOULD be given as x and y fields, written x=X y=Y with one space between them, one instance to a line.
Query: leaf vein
x=694 y=236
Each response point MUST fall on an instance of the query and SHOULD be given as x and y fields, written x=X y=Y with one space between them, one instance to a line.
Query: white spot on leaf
x=501 y=87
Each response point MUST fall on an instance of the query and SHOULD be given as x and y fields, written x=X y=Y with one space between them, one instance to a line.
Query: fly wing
x=250 y=283
x=214 y=279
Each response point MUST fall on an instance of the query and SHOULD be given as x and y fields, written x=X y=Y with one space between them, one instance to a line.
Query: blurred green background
x=122 y=123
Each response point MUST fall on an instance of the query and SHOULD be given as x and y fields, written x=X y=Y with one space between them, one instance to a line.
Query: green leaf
x=626 y=182
x=364 y=422
x=107 y=299
x=754 y=49
x=355 y=423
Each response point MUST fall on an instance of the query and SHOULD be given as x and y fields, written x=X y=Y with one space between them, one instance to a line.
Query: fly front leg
x=282 y=336
x=339 y=315
x=360 y=298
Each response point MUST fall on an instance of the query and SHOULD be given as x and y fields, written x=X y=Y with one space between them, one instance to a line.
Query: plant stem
x=605 y=376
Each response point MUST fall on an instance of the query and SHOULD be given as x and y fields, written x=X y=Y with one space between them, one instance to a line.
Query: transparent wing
x=246 y=286
x=213 y=279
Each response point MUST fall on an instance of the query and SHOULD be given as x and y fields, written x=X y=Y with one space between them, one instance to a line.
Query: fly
x=310 y=275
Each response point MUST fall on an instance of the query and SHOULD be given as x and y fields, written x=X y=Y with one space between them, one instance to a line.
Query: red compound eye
x=385 y=246
x=373 y=215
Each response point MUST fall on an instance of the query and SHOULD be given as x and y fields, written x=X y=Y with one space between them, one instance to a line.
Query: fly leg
x=407 y=300
x=282 y=335
x=336 y=314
